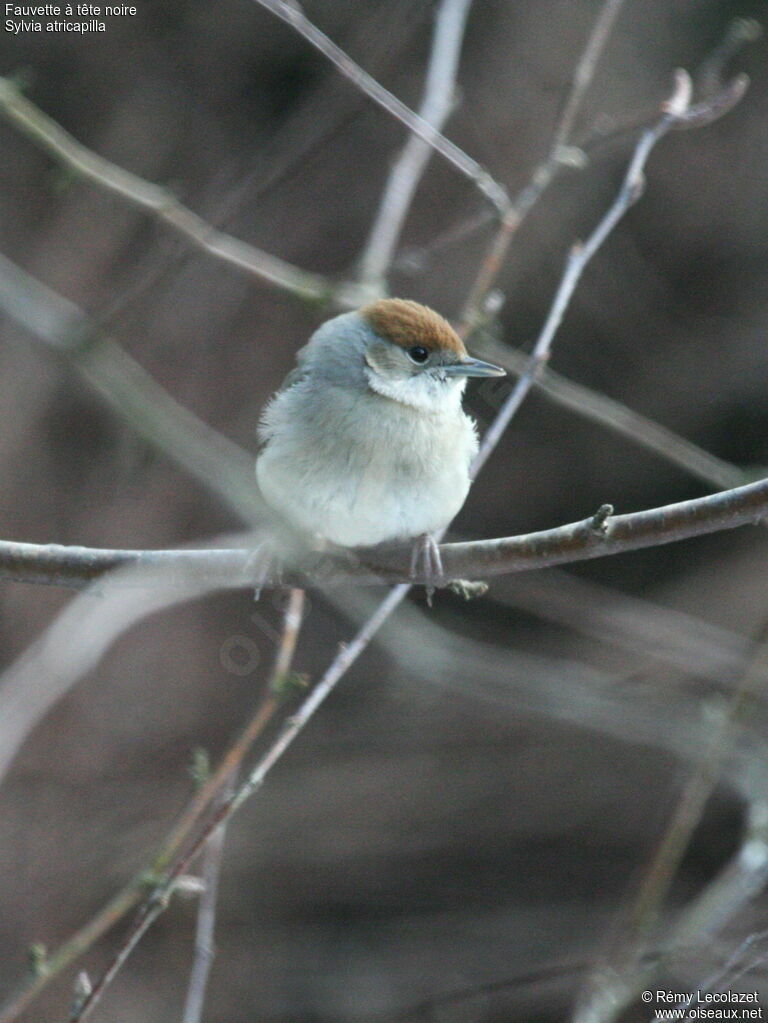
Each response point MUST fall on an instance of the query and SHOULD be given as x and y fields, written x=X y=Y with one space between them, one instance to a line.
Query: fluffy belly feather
x=381 y=491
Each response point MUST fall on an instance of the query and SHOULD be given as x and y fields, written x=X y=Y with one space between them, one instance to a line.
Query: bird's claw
x=426 y=563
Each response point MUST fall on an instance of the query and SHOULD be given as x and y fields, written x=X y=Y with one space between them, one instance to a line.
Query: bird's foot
x=427 y=563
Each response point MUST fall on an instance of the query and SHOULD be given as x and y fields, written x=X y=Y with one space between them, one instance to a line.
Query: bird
x=366 y=441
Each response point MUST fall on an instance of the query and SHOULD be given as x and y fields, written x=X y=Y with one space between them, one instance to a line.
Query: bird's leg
x=261 y=565
x=426 y=562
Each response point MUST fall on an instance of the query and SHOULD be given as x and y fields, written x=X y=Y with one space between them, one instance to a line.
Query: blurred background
x=462 y=829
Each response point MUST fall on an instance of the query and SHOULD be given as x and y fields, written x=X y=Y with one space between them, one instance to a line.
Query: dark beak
x=473 y=368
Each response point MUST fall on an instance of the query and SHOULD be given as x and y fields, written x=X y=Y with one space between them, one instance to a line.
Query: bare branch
x=405 y=175
x=292 y=14
x=585 y=72
x=579 y=257
x=718 y=100
x=157 y=201
x=557 y=158
x=213 y=855
x=233 y=568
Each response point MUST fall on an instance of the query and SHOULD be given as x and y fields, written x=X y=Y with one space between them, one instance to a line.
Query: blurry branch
x=75 y=642
x=405 y=175
x=708 y=80
x=740 y=32
x=131 y=895
x=291 y=13
x=129 y=390
x=414 y=260
x=212 y=857
x=740 y=881
x=158 y=201
x=630 y=966
x=214 y=848
x=561 y=154
x=598 y=535
x=583 y=75
x=615 y=416
x=158 y=899
x=718 y=98
x=652 y=634
x=676 y=111
x=697 y=790
x=611 y=990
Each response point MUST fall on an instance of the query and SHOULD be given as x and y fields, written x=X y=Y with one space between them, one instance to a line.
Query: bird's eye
x=418 y=354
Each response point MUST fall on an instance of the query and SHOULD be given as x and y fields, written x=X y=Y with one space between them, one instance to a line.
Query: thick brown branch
x=597 y=536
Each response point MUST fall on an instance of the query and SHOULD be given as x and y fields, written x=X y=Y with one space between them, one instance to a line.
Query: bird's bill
x=473 y=368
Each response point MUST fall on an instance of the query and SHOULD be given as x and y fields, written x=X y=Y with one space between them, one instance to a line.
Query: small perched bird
x=366 y=442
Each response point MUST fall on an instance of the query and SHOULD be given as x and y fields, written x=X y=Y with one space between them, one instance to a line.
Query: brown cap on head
x=407 y=323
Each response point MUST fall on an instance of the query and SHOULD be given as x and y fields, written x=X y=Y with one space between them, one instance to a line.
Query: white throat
x=424 y=391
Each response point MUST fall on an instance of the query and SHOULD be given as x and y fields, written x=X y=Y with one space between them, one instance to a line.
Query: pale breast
x=361 y=476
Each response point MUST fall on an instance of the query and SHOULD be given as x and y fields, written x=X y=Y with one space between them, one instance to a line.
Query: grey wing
x=299 y=373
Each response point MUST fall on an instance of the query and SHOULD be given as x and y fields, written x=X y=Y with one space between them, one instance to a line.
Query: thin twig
x=147 y=917
x=581 y=254
x=213 y=855
x=559 y=156
x=221 y=786
x=617 y=417
x=292 y=14
x=406 y=173
x=585 y=71
x=158 y=201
